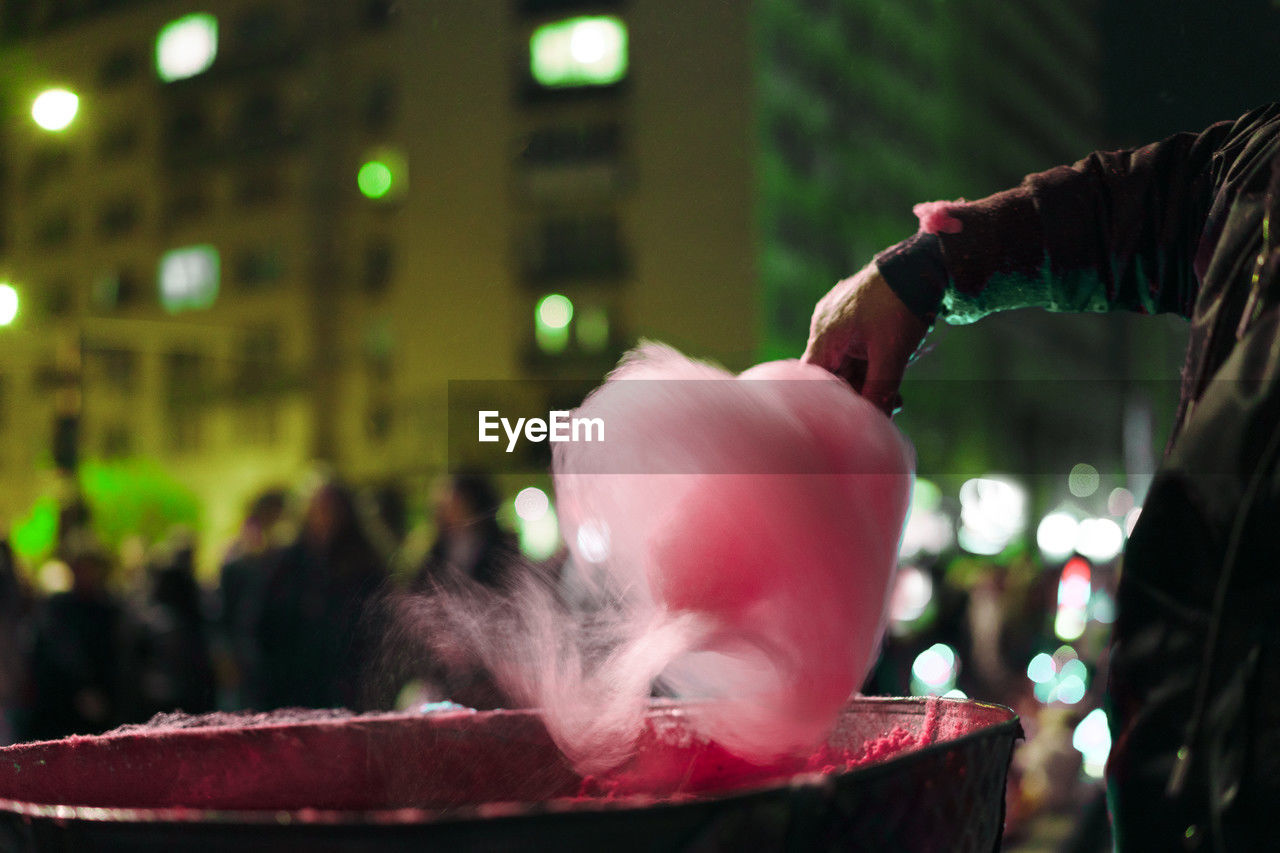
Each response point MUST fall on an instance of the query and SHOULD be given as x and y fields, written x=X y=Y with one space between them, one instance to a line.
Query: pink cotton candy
x=746 y=529
x=935 y=217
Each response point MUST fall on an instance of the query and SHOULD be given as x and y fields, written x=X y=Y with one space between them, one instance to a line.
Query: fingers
x=862 y=332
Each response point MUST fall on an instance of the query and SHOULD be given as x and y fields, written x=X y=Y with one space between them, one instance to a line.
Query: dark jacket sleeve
x=1117 y=230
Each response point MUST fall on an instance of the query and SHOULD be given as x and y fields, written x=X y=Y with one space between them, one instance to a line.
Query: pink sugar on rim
x=935 y=217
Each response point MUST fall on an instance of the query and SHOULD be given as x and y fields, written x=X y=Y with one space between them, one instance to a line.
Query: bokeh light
x=189 y=278
x=1119 y=502
x=1100 y=539
x=1092 y=738
x=934 y=670
x=1042 y=669
x=912 y=592
x=8 y=303
x=1083 y=480
x=375 y=179
x=55 y=109
x=555 y=311
x=551 y=317
x=992 y=514
x=585 y=51
x=186 y=47
x=532 y=503
x=1056 y=535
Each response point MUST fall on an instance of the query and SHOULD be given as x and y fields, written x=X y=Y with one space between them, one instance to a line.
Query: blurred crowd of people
x=298 y=617
x=996 y=615
x=302 y=616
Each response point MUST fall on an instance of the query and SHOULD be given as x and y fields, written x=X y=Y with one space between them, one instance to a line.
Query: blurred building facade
x=274 y=230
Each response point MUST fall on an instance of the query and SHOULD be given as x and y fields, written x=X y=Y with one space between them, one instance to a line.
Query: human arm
x=1117 y=230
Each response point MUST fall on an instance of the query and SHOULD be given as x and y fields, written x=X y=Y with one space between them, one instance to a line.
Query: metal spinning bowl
x=496 y=781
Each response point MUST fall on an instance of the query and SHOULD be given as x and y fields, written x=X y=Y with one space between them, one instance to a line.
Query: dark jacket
x=1185 y=225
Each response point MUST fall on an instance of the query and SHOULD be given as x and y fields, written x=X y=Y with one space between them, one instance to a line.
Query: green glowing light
x=33 y=537
x=186 y=47
x=555 y=311
x=188 y=278
x=55 y=109
x=136 y=497
x=593 y=329
x=8 y=303
x=551 y=323
x=587 y=51
x=375 y=179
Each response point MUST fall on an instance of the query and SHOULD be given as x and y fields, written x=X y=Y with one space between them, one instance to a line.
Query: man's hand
x=863 y=333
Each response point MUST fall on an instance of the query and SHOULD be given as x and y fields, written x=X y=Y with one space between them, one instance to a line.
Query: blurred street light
x=55 y=109
x=8 y=303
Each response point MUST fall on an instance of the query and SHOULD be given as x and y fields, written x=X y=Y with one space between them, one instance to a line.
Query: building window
x=379 y=265
x=259 y=31
x=188 y=127
x=577 y=52
x=380 y=102
x=583 y=246
x=58 y=298
x=259 y=365
x=260 y=118
x=119 y=141
x=47 y=163
x=54 y=230
x=378 y=421
x=567 y=145
x=114 y=290
x=259 y=184
x=259 y=267
x=186 y=47
x=118 y=369
x=559 y=326
x=120 y=66
x=184 y=387
x=118 y=217
x=379 y=14
x=379 y=349
x=188 y=278
x=189 y=200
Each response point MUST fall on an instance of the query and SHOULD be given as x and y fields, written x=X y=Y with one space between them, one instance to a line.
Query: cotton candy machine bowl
x=910 y=773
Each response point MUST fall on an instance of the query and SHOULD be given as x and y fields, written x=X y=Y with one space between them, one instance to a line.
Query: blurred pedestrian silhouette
x=470 y=544
x=317 y=627
x=75 y=672
x=472 y=559
x=15 y=605
x=169 y=666
x=242 y=583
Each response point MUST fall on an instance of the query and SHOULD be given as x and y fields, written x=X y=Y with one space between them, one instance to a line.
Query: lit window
x=588 y=51
x=186 y=47
x=551 y=321
x=189 y=278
